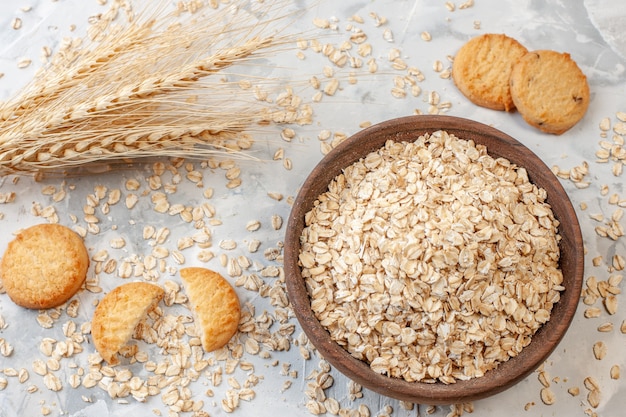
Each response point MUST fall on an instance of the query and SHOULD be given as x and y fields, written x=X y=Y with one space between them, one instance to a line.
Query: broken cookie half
x=214 y=304
x=119 y=313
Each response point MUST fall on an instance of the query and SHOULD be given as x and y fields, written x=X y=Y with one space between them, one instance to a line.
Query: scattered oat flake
x=24 y=63
x=592 y=312
x=610 y=303
x=388 y=35
x=547 y=396
x=599 y=350
x=593 y=397
x=321 y=23
x=228 y=244
x=253 y=225
x=591 y=383
x=615 y=372
x=275 y=195
x=277 y=222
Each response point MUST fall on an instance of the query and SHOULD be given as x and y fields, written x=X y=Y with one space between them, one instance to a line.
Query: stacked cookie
x=547 y=87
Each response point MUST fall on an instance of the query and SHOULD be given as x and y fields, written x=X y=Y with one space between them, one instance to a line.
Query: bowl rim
x=505 y=375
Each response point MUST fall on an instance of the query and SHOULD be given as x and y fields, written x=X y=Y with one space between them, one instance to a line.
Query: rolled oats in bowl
x=431 y=260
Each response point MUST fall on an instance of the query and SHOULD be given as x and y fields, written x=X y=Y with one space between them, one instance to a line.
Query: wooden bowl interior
x=498 y=145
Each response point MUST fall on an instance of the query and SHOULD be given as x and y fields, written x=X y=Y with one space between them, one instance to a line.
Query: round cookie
x=481 y=70
x=44 y=266
x=549 y=90
x=214 y=304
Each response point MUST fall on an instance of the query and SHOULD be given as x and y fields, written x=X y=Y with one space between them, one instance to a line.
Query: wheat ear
x=154 y=86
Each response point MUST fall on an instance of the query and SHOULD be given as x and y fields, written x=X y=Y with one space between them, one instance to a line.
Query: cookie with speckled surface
x=482 y=67
x=44 y=266
x=214 y=304
x=118 y=314
x=549 y=90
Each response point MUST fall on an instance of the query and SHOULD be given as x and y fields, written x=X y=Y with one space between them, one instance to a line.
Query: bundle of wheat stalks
x=154 y=85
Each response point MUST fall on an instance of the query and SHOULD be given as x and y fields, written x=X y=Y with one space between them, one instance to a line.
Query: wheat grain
x=153 y=86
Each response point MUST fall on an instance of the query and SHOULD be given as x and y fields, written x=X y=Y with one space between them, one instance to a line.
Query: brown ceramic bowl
x=498 y=145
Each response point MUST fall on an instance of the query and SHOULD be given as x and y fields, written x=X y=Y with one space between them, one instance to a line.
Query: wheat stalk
x=154 y=86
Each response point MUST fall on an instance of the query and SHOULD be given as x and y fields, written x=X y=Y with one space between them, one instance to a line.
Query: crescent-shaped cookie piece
x=215 y=306
x=118 y=314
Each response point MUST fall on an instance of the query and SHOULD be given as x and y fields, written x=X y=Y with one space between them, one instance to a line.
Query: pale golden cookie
x=44 y=266
x=214 y=304
x=481 y=70
x=549 y=90
x=119 y=313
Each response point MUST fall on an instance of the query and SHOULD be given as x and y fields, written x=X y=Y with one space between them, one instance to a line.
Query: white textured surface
x=610 y=19
x=561 y=25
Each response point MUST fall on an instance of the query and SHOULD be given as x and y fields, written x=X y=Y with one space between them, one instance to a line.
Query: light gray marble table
x=591 y=31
